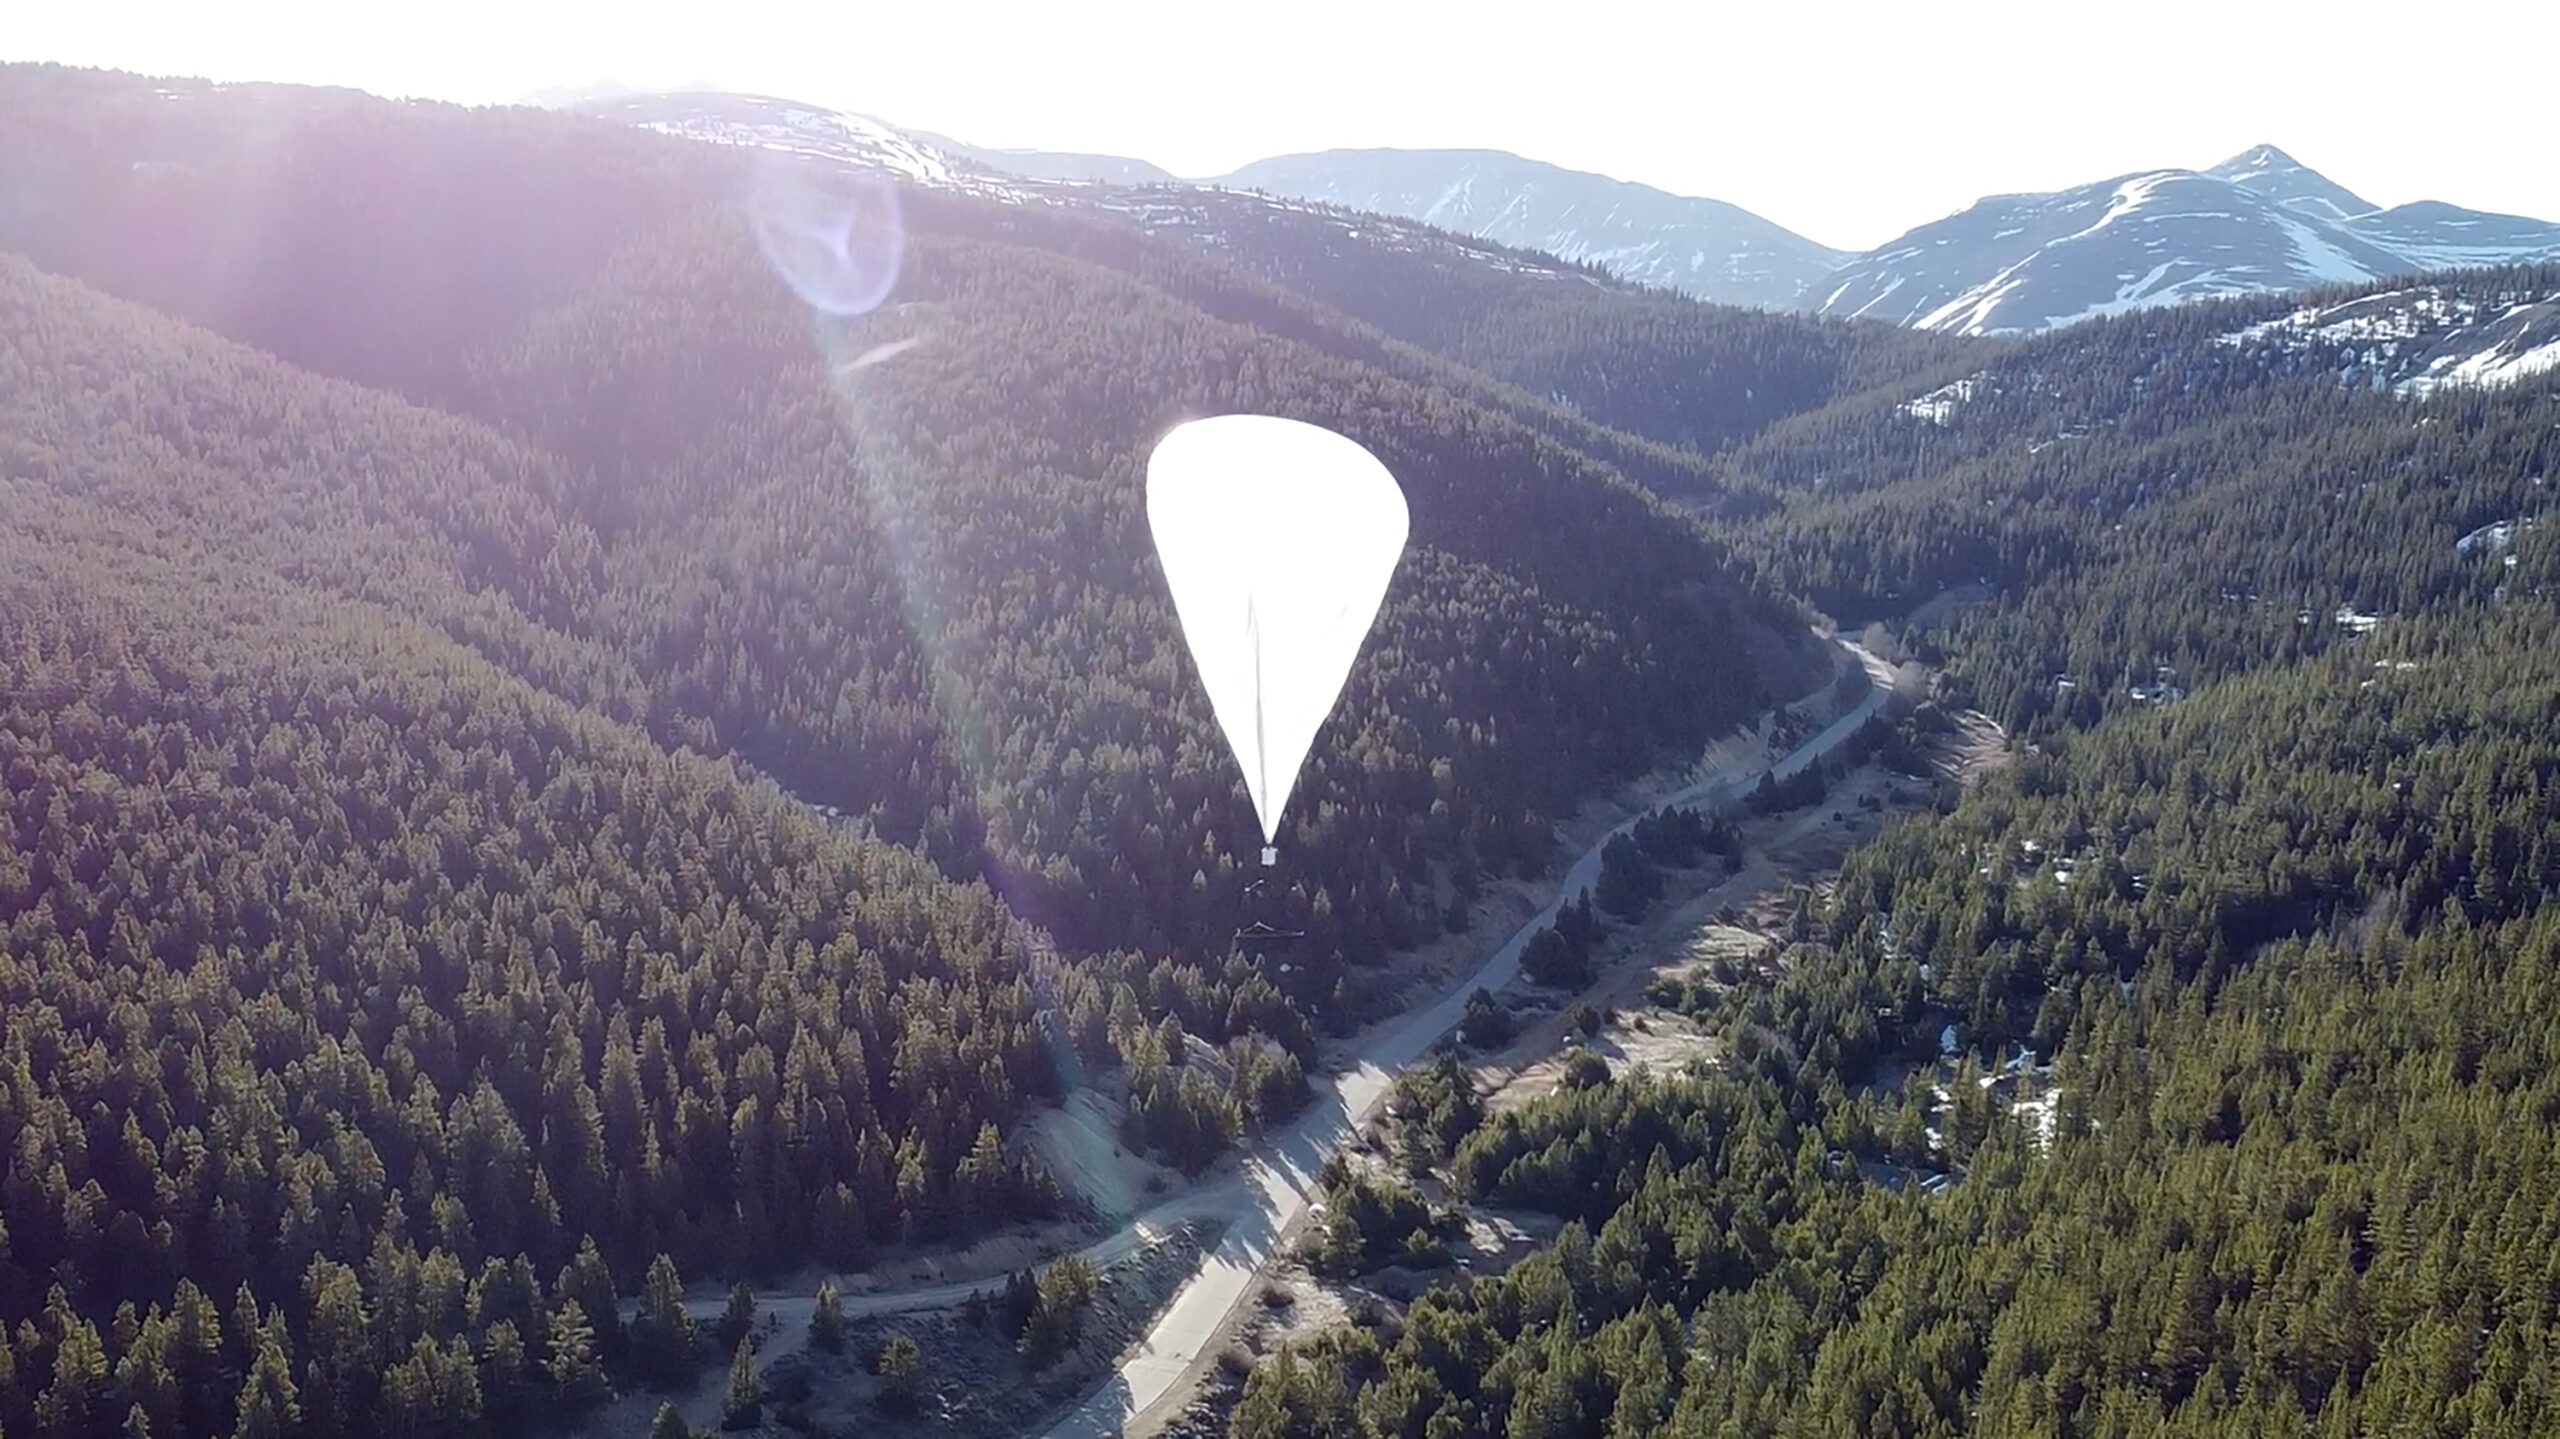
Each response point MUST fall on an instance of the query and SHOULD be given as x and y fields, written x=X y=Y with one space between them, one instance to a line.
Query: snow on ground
x=783 y=127
x=2316 y=260
x=1880 y=297
x=2422 y=339
x=1939 y=405
x=1970 y=313
x=2490 y=538
x=2492 y=368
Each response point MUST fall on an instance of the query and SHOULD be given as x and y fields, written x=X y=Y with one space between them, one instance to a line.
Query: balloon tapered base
x=1270 y=856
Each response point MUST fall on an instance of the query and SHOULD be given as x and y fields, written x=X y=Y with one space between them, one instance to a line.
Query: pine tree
x=572 y=1364
x=269 y=1406
x=69 y=1404
x=737 y=1318
x=742 y=1404
x=662 y=1337
x=901 y=1371
x=587 y=1280
x=826 y=1320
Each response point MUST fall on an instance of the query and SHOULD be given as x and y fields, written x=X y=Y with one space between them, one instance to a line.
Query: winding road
x=1268 y=1195
x=1280 y=1174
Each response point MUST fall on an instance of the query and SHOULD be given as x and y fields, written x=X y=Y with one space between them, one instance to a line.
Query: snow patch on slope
x=2421 y=339
x=1938 y=407
x=1705 y=248
x=2258 y=222
x=788 y=128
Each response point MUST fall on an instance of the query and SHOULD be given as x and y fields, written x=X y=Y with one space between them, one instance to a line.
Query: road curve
x=1280 y=1174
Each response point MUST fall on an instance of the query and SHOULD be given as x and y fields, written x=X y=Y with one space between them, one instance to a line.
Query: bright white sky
x=1849 y=120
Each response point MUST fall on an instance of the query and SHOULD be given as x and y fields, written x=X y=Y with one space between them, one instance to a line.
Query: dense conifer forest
x=539 y=771
x=2249 y=957
x=2284 y=961
x=447 y=576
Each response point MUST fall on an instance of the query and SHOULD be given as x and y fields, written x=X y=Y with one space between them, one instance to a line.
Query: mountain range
x=1706 y=248
x=551 y=775
x=2258 y=222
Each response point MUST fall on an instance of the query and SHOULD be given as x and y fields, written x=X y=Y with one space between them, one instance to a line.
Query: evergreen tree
x=901 y=1371
x=737 y=1318
x=573 y=1365
x=742 y=1404
x=662 y=1334
x=826 y=1320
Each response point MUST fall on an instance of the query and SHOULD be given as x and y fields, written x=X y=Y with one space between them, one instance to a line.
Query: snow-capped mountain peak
x=1702 y=247
x=2259 y=221
x=2017 y=263
x=2292 y=184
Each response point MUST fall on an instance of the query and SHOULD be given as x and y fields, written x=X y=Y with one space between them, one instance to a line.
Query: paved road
x=1277 y=1179
x=1280 y=1175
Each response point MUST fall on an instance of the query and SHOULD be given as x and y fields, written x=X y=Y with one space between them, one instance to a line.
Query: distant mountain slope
x=1646 y=363
x=1600 y=366
x=1699 y=247
x=767 y=123
x=2292 y=184
x=2432 y=235
x=2205 y=488
x=2428 y=234
x=2017 y=263
x=1069 y=165
x=2258 y=222
x=2423 y=338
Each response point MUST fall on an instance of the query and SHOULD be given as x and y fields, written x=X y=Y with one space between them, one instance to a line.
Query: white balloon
x=1278 y=539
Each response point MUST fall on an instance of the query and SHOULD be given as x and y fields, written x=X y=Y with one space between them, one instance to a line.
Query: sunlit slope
x=1552 y=627
x=1652 y=363
x=2206 y=488
x=919 y=589
x=321 y=224
x=328 y=944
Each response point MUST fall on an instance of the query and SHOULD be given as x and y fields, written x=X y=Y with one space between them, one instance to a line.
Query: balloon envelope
x=1278 y=539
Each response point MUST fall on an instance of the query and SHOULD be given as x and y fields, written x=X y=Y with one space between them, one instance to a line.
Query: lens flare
x=879 y=354
x=833 y=233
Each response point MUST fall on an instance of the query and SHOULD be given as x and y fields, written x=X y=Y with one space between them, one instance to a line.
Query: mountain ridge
x=2256 y=223
x=1706 y=248
x=2259 y=221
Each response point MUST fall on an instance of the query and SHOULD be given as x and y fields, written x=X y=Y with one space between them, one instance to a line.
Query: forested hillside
x=2161 y=490
x=2251 y=975
x=426 y=529
x=2289 y=950
x=347 y=974
x=921 y=590
x=446 y=581
x=1648 y=362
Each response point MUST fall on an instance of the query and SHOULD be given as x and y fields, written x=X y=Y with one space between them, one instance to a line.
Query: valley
x=597 y=845
x=1253 y=1207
